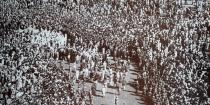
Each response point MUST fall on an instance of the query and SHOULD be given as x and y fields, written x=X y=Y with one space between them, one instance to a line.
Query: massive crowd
x=33 y=74
x=168 y=42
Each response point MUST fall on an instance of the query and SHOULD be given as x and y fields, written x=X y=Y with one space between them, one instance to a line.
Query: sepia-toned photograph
x=104 y=52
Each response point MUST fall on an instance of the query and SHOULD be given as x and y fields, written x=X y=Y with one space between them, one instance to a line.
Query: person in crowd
x=137 y=83
x=110 y=73
x=103 y=89
x=93 y=88
x=116 y=100
x=90 y=97
x=123 y=81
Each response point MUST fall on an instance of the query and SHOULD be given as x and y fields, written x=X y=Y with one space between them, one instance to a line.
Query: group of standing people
x=99 y=67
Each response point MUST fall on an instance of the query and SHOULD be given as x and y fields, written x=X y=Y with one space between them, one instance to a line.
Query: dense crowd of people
x=36 y=77
x=167 y=40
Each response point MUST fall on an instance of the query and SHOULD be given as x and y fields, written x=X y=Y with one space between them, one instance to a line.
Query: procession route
x=126 y=97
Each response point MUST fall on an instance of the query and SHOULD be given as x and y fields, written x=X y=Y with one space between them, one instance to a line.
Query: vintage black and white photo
x=104 y=52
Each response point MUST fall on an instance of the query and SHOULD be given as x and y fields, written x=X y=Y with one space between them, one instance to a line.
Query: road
x=126 y=97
